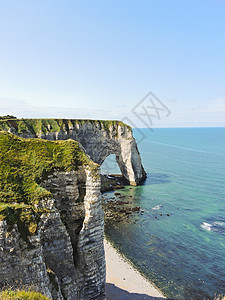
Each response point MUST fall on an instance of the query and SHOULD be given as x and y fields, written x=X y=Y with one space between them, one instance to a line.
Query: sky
x=151 y=63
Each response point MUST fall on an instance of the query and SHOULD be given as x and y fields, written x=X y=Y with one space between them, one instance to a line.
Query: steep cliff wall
x=99 y=139
x=51 y=220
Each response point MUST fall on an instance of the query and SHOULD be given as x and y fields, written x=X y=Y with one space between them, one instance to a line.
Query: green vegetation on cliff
x=21 y=295
x=24 y=163
x=7 y=117
x=37 y=126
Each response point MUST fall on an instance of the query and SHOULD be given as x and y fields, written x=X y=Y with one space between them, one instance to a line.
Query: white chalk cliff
x=64 y=258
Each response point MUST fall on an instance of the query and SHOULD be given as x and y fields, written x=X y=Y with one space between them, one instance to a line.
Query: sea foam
x=206 y=226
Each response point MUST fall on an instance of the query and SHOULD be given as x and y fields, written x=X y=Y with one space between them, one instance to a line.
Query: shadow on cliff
x=115 y=293
x=157 y=178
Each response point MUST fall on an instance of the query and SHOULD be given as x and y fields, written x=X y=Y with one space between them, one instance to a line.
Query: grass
x=38 y=126
x=24 y=163
x=21 y=295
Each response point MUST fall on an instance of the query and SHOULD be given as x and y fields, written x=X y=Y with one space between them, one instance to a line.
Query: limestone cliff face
x=65 y=258
x=51 y=219
x=98 y=138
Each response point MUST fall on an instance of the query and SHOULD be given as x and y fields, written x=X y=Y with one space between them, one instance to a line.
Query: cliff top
x=23 y=165
x=52 y=125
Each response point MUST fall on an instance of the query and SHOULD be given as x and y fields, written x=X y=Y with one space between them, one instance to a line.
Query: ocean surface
x=178 y=239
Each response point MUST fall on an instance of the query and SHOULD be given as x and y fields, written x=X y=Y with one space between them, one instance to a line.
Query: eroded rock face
x=21 y=264
x=65 y=259
x=98 y=138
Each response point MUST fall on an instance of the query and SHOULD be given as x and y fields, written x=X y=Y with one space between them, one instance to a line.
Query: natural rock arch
x=99 y=139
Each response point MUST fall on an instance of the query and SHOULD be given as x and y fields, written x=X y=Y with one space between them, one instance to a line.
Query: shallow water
x=178 y=239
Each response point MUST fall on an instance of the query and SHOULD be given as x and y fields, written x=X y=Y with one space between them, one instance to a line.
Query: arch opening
x=110 y=166
x=111 y=175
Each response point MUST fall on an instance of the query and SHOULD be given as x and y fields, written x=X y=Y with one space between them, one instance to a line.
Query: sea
x=177 y=240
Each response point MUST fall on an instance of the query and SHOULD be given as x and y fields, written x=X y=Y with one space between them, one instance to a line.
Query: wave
x=206 y=226
x=157 y=207
x=216 y=226
x=219 y=223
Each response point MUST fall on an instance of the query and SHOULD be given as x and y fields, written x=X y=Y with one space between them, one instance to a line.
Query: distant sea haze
x=178 y=239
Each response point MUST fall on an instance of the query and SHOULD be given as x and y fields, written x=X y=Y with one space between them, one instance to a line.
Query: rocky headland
x=51 y=217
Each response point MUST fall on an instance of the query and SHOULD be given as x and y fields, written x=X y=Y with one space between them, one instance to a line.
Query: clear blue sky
x=98 y=59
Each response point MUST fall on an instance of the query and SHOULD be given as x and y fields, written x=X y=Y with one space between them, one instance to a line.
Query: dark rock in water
x=121 y=202
x=119 y=210
x=135 y=208
x=112 y=182
x=168 y=215
x=118 y=187
x=117 y=194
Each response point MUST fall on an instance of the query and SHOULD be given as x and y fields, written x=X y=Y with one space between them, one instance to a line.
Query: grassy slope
x=23 y=164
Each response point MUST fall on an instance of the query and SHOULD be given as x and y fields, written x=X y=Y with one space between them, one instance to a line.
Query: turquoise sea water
x=178 y=241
